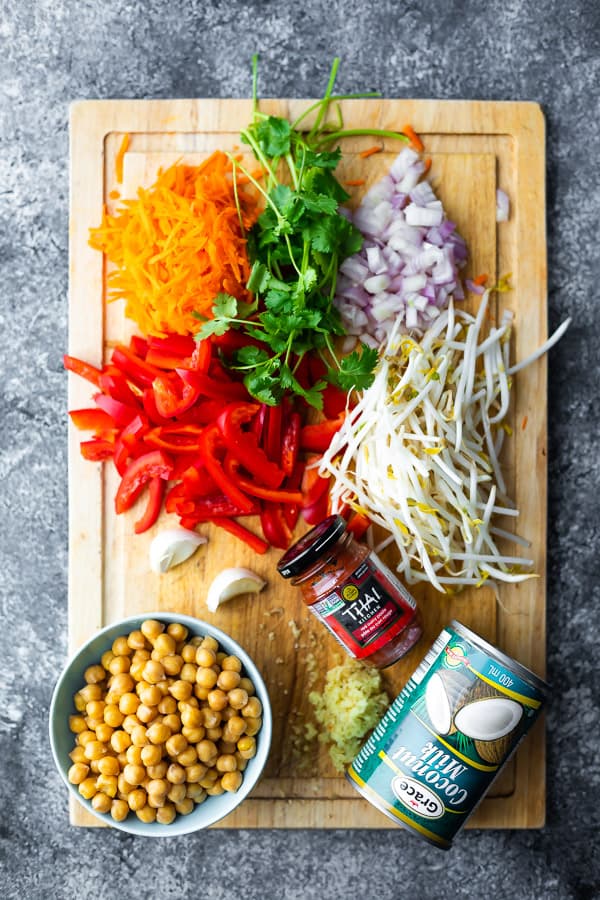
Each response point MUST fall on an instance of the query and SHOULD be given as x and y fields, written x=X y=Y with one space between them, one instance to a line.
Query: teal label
x=445 y=737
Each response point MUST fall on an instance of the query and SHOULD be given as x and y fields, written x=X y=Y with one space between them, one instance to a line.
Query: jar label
x=367 y=610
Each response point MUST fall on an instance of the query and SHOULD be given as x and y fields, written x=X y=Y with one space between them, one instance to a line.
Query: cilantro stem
x=293 y=171
x=326 y=99
x=358 y=132
x=332 y=99
x=255 y=84
x=237 y=199
x=259 y=155
x=332 y=351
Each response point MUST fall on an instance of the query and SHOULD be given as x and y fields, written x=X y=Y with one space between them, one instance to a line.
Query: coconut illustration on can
x=447 y=735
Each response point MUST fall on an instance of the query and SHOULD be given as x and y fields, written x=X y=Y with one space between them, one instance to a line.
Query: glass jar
x=347 y=587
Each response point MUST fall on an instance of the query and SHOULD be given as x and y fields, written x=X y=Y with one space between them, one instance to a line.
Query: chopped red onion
x=407 y=269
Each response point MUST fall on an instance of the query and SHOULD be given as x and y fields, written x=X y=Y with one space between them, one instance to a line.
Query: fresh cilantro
x=356 y=370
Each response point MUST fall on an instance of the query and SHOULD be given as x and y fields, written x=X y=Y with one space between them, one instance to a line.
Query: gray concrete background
x=52 y=52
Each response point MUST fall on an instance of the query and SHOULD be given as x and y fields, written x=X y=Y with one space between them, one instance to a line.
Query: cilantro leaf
x=212 y=326
x=264 y=386
x=313 y=395
x=323 y=160
x=273 y=135
x=357 y=369
x=251 y=356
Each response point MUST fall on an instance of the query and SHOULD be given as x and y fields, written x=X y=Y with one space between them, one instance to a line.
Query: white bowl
x=62 y=739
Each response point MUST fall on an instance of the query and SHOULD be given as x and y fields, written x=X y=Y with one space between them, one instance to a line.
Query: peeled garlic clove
x=231 y=582
x=172 y=547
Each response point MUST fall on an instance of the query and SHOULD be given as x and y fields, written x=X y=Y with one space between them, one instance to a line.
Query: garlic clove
x=231 y=582
x=172 y=547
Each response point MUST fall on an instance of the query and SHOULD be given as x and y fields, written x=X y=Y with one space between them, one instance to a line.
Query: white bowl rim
x=266 y=730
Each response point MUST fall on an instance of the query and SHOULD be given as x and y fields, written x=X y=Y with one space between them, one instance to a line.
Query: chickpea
x=107 y=784
x=87 y=788
x=236 y=726
x=188 y=653
x=151 y=629
x=207 y=751
x=84 y=737
x=196 y=641
x=92 y=724
x=196 y=792
x=188 y=672
x=192 y=701
x=136 y=669
x=206 y=678
x=153 y=672
x=94 y=674
x=228 y=680
x=253 y=726
x=227 y=747
x=129 y=723
x=176 y=774
x=172 y=664
x=109 y=765
x=241 y=762
x=120 y=741
x=177 y=631
x=159 y=770
x=121 y=646
x=113 y=715
x=210 y=643
x=231 y=664
x=136 y=640
x=165 y=644
x=253 y=708
x=176 y=744
x=231 y=781
x=123 y=787
x=151 y=695
x=158 y=786
x=194 y=773
x=105 y=659
x=158 y=733
x=184 y=807
x=201 y=693
x=77 y=724
x=79 y=702
x=95 y=749
x=212 y=717
x=177 y=793
x=146 y=714
x=214 y=734
x=134 y=756
x=209 y=779
x=95 y=709
x=151 y=755
x=77 y=754
x=139 y=736
x=104 y=732
x=128 y=703
x=120 y=684
x=119 y=810
x=119 y=665
x=216 y=789
x=134 y=774
x=188 y=757
x=193 y=735
x=94 y=766
x=101 y=802
x=205 y=657
x=146 y=814
x=247 y=747
x=246 y=685
x=166 y=814
x=137 y=799
x=181 y=690
x=238 y=698
x=226 y=763
x=77 y=773
x=221 y=655
x=217 y=699
x=172 y=722
x=167 y=706
x=191 y=718
x=122 y=758
x=89 y=692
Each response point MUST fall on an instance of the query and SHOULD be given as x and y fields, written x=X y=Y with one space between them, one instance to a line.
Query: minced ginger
x=352 y=703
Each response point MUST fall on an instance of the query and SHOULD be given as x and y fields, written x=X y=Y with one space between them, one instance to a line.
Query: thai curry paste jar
x=347 y=587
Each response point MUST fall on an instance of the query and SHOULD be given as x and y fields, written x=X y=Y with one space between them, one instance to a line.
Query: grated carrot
x=120 y=157
x=481 y=279
x=427 y=164
x=177 y=245
x=524 y=423
x=370 y=151
x=114 y=195
x=355 y=182
x=415 y=140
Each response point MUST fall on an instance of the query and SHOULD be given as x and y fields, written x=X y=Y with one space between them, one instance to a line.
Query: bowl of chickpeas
x=160 y=725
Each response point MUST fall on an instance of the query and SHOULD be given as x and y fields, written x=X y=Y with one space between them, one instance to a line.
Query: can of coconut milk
x=447 y=735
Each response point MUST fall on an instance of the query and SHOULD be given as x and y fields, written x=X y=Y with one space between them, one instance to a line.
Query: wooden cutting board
x=475 y=147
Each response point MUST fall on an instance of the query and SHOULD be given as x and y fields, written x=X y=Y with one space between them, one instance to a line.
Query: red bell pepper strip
x=95 y=420
x=149 y=404
x=129 y=444
x=318 y=437
x=209 y=441
x=233 y=527
x=138 y=345
x=318 y=511
x=334 y=401
x=156 y=490
x=273 y=525
x=139 y=371
x=273 y=440
x=203 y=509
x=172 y=395
x=291 y=511
x=175 y=344
x=205 y=412
x=85 y=370
x=313 y=486
x=117 y=387
x=232 y=467
x=225 y=391
x=97 y=450
x=176 y=441
x=258 y=422
x=163 y=360
x=358 y=524
x=155 y=464
x=202 y=356
x=243 y=445
x=122 y=413
x=290 y=443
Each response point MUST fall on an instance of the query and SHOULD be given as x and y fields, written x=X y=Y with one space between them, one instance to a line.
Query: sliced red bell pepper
x=122 y=413
x=243 y=445
x=318 y=511
x=85 y=370
x=274 y=527
x=95 y=420
x=209 y=441
x=117 y=387
x=334 y=401
x=156 y=490
x=97 y=450
x=129 y=443
x=318 y=437
x=203 y=509
x=202 y=356
x=163 y=360
x=140 y=372
x=155 y=464
x=233 y=527
x=204 y=412
x=232 y=467
x=291 y=511
x=273 y=440
x=358 y=524
x=173 y=395
x=258 y=422
x=138 y=345
x=290 y=443
x=313 y=486
x=225 y=391
x=149 y=404
x=175 y=344
x=176 y=440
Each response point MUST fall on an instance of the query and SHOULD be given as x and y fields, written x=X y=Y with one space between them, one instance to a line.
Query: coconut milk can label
x=416 y=797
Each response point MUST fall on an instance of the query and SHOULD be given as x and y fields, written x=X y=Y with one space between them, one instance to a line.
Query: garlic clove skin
x=231 y=582
x=172 y=547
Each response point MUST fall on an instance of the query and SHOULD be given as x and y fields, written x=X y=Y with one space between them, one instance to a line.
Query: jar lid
x=305 y=552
